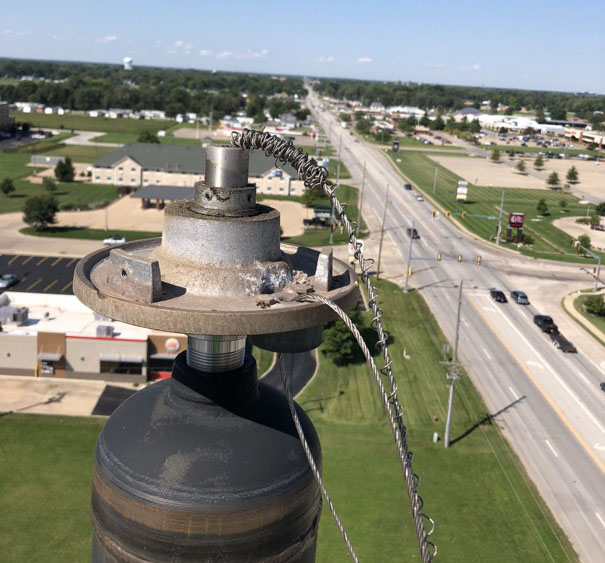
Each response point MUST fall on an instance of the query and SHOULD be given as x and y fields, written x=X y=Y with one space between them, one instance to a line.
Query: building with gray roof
x=144 y=164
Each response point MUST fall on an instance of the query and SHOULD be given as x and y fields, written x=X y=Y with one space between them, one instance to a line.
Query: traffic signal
x=478 y=260
x=447 y=214
x=439 y=257
x=459 y=258
x=410 y=272
x=463 y=214
x=433 y=213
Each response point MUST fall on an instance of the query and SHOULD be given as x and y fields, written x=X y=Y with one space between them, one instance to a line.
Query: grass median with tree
x=475 y=490
x=484 y=201
x=70 y=194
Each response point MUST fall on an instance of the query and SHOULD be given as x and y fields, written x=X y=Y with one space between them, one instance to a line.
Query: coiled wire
x=315 y=177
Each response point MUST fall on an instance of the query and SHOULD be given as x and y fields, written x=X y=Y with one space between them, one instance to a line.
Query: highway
x=549 y=404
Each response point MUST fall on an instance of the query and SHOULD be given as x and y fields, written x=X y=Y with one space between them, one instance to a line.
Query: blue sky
x=542 y=44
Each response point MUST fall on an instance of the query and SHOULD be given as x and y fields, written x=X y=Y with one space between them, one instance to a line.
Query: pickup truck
x=546 y=323
x=413 y=233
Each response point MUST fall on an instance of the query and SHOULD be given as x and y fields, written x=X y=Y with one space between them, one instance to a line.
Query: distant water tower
x=127 y=63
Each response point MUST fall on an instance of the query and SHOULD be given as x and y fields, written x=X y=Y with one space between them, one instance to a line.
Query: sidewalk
x=569 y=308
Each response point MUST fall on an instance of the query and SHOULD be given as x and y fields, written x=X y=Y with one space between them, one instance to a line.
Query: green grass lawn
x=126 y=138
x=45 y=480
x=481 y=499
x=598 y=322
x=483 y=504
x=88 y=234
x=549 y=242
x=321 y=237
x=83 y=122
x=13 y=165
x=80 y=153
x=333 y=169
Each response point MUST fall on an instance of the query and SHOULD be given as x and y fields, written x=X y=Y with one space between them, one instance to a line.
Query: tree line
x=86 y=86
x=451 y=98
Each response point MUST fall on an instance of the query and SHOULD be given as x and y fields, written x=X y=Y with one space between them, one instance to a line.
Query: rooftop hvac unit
x=104 y=331
x=20 y=315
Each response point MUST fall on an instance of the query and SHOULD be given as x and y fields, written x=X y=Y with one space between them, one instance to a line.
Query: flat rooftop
x=65 y=314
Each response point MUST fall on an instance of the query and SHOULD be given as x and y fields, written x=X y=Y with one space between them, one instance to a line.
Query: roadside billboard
x=461 y=190
x=516 y=220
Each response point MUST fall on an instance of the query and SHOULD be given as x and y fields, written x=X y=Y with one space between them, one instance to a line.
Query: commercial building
x=45 y=335
x=6 y=121
x=145 y=164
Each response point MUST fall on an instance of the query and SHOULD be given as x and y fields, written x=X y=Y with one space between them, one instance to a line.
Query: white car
x=419 y=198
x=115 y=239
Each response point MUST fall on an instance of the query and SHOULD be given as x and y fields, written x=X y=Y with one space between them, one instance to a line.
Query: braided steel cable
x=315 y=177
x=309 y=454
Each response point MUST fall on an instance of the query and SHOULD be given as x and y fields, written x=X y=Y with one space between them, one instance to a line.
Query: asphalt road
x=40 y=274
x=549 y=404
x=300 y=369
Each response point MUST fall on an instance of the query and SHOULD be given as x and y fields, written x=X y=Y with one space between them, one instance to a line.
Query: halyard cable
x=315 y=176
x=309 y=454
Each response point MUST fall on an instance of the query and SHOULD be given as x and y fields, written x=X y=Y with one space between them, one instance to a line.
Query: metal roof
x=171 y=193
x=184 y=159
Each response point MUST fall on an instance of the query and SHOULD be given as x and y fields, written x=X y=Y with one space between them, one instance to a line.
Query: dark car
x=7 y=280
x=498 y=296
x=546 y=323
x=412 y=233
x=560 y=342
x=407 y=186
x=519 y=297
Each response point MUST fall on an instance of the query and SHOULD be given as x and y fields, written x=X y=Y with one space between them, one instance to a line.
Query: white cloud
x=107 y=39
x=476 y=66
x=15 y=33
x=434 y=65
x=179 y=47
x=364 y=60
x=324 y=59
x=59 y=38
x=250 y=54
x=178 y=43
x=204 y=53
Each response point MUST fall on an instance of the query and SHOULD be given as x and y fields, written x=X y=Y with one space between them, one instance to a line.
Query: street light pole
x=453 y=373
x=384 y=217
x=500 y=219
x=363 y=181
x=407 y=271
x=337 y=183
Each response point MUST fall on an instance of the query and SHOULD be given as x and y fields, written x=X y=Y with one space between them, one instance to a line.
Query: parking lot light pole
x=407 y=272
x=384 y=217
x=500 y=220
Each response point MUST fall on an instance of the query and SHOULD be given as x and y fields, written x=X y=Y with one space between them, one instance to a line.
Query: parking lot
x=39 y=274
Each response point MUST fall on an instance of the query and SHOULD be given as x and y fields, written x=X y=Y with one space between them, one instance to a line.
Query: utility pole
x=384 y=217
x=500 y=219
x=453 y=373
x=363 y=181
x=337 y=183
x=407 y=271
x=435 y=179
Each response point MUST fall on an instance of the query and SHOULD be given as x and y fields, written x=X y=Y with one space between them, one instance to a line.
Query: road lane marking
x=600 y=519
x=13 y=259
x=70 y=262
x=40 y=261
x=34 y=284
x=27 y=260
x=56 y=262
x=584 y=378
x=49 y=286
x=488 y=308
x=552 y=404
x=65 y=287
x=513 y=393
x=534 y=364
x=557 y=377
x=551 y=448
x=487 y=354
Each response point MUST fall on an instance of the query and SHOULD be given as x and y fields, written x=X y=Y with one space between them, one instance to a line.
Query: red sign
x=516 y=220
